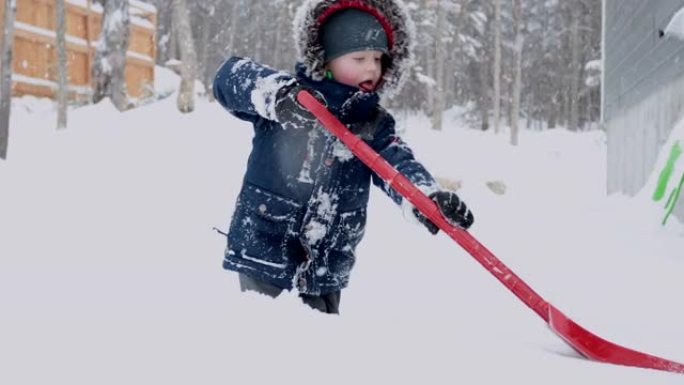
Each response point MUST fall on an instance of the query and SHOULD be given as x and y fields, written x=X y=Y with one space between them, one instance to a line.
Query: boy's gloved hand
x=292 y=115
x=453 y=209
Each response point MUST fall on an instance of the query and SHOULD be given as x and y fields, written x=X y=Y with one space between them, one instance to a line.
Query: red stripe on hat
x=344 y=4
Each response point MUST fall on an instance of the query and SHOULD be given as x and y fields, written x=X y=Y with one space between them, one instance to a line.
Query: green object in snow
x=674 y=197
x=665 y=175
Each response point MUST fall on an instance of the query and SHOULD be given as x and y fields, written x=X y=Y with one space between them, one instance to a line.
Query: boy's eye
x=359 y=59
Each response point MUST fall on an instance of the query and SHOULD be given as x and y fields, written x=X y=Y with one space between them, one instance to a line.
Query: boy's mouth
x=367 y=86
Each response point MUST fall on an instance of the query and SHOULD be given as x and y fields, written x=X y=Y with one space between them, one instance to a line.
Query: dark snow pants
x=327 y=303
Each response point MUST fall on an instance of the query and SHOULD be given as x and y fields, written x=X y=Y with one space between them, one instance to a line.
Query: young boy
x=302 y=208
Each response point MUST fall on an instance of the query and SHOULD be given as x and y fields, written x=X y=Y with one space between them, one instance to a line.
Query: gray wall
x=643 y=89
x=637 y=60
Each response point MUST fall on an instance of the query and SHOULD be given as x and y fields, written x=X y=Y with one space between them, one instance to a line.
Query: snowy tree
x=496 y=97
x=62 y=89
x=164 y=36
x=234 y=26
x=204 y=11
x=575 y=66
x=440 y=48
x=109 y=64
x=6 y=44
x=548 y=86
x=418 y=91
x=481 y=72
x=186 y=94
x=517 y=67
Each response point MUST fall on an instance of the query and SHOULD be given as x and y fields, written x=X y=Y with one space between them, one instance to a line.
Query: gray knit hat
x=351 y=30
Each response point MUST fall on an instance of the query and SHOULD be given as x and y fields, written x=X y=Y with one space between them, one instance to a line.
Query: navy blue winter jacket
x=302 y=208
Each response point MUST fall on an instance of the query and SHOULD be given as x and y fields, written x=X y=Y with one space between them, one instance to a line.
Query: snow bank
x=110 y=270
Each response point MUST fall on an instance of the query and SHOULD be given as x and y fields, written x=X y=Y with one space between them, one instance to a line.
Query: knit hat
x=351 y=30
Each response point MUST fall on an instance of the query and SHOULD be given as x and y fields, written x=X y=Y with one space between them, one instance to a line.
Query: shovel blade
x=596 y=348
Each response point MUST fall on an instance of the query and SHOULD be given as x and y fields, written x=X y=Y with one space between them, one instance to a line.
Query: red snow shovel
x=582 y=340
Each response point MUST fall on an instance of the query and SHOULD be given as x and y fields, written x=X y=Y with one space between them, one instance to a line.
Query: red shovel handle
x=425 y=205
x=582 y=340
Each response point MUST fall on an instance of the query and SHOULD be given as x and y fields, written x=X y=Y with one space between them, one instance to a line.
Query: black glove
x=292 y=115
x=453 y=209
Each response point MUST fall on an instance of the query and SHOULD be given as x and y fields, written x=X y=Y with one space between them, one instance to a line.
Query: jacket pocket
x=351 y=230
x=262 y=227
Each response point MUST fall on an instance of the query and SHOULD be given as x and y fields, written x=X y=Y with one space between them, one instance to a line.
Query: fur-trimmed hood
x=310 y=51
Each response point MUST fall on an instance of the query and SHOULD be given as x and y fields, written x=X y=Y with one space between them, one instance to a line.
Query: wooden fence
x=35 y=56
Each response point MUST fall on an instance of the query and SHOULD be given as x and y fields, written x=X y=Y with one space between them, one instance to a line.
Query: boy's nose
x=372 y=66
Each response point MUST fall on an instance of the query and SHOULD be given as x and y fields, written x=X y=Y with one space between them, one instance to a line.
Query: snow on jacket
x=302 y=208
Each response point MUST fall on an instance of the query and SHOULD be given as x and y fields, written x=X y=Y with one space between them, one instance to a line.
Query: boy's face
x=361 y=69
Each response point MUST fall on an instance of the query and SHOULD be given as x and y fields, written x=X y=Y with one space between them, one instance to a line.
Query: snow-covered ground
x=110 y=272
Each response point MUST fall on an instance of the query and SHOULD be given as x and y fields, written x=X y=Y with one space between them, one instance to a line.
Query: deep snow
x=110 y=272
